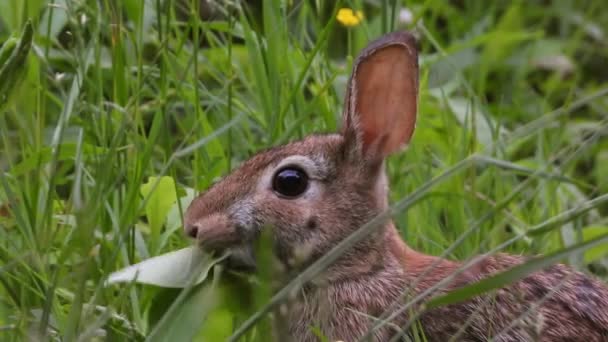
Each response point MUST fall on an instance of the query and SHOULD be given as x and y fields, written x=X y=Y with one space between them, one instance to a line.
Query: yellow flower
x=348 y=17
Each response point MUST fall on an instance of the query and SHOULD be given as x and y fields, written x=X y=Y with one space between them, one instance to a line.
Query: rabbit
x=317 y=191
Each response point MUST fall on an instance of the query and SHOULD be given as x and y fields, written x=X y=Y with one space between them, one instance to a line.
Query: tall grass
x=122 y=111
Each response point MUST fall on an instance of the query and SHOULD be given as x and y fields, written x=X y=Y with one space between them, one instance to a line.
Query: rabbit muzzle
x=217 y=234
x=213 y=233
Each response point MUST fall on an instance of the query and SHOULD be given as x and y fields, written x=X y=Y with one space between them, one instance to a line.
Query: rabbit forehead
x=313 y=153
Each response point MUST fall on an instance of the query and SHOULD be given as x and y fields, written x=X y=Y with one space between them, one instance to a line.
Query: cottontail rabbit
x=317 y=191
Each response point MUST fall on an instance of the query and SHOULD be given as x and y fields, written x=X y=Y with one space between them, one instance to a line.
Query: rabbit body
x=555 y=304
x=317 y=191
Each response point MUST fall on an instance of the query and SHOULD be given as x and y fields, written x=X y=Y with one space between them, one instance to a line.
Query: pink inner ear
x=387 y=87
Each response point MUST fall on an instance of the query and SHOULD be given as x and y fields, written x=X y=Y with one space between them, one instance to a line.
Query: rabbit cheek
x=243 y=215
x=293 y=236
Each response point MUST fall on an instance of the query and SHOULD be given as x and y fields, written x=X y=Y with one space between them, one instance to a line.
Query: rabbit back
x=554 y=304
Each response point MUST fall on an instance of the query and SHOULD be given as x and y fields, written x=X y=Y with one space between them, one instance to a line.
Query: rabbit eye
x=290 y=182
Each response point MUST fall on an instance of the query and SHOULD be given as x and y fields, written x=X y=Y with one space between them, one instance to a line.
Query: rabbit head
x=317 y=191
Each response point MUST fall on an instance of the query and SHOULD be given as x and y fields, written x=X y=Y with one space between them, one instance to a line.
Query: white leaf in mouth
x=177 y=269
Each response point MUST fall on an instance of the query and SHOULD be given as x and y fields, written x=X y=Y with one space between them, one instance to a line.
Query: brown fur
x=347 y=189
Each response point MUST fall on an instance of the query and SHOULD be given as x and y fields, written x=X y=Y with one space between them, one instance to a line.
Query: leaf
x=601 y=170
x=44 y=155
x=561 y=64
x=447 y=67
x=218 y=325
x=509 y=35
x=596 y=252
x=173 y=269
x=12 y=71
x=591 y=28
x=550 y=55
x=174 y=217
x=144 y=13
x=7 y=49
x=160 y=194
x=513 y=274
x=185 y=317
x=214 y=147
x=484 y=128
x=54 y=19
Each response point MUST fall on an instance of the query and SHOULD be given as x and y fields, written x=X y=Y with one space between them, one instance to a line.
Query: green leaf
x=218 y=326
x=174 y=269
x=54 y=19
x=186 y=315
x=174 y=216
x=12 y=71
x=187 y=319
x=160 y=195
x=44 y=155
x=466 y=112
x=448 y=67
x=590 y=233
x=601 y=170
x=7 y=49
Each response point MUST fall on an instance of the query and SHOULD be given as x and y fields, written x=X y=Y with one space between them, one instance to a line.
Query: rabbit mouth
x=235 y=240
x=241 y=259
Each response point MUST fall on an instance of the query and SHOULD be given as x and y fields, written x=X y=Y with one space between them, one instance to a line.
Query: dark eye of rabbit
x=290 y=182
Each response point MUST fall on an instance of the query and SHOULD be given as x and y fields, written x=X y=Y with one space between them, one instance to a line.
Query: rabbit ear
x=380 y=105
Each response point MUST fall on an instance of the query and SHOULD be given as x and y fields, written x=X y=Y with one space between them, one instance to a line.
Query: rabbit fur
x=347 y=187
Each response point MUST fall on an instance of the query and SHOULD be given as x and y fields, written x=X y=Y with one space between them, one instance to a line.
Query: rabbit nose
x=191 y=229
x=213 y=232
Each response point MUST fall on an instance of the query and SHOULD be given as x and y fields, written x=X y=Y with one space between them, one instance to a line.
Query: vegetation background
x=123 y=110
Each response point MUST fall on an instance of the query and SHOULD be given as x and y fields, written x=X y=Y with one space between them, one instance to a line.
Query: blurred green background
x=121 y=111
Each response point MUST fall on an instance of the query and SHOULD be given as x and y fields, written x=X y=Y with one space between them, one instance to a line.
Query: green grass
x=122 y=108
